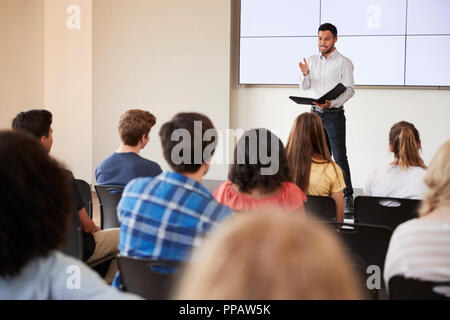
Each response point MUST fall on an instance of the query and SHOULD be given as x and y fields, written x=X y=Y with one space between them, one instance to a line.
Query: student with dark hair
x=320 y=74
x=126 y=164
x=36 y=196
x=99 y=245
x=260 y=176
x=166 y=216
x=311 y=163
x=404 y=177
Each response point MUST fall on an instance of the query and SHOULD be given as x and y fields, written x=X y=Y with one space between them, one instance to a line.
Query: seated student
x=420 y=248
x=403 y=178
x=310 y=161
x=36 y=196
x=260 y=176
x=126 y=164
x=99 y=245
x=166 y=216
x=269 y=256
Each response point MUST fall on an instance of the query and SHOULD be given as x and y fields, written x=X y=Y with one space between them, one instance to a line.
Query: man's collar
x=332 y=55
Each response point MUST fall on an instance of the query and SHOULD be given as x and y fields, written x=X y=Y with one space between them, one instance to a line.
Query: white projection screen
x=390 y=42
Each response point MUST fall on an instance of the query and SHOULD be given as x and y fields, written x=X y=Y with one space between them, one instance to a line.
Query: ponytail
x=404 y=139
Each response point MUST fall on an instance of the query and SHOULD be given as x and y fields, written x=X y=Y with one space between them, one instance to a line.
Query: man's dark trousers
x=333 y=121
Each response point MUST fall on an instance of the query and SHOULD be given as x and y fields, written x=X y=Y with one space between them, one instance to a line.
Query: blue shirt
x=166 y=217
x=120 y=168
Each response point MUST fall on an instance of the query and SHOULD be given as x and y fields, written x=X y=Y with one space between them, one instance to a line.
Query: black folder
x=330 y=95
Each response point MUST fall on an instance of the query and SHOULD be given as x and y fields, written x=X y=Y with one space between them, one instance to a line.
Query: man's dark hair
x=37 y=122
x=247 y=174
x=329 y=27
x=36 y=199
x=186 y=157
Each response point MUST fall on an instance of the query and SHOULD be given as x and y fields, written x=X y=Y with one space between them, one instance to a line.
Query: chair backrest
x=367 y=244
x=73 y=245
x=323 y=208
x=211 y=185
x=109 y=197
x=401 y=288
x=379 y=210
x=139 y=276
x=86 y=194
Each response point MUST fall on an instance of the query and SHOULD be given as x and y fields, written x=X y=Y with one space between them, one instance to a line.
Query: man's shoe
x=348 y=205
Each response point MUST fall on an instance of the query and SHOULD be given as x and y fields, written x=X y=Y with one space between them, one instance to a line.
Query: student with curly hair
x=260 y=176
x=99 y=245
x=36 y=196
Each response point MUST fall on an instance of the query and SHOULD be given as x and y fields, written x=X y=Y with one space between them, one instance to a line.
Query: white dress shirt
x=325 y=73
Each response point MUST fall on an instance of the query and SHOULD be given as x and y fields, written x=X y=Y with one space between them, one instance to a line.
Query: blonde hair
x=438 y=181
x=269 y=256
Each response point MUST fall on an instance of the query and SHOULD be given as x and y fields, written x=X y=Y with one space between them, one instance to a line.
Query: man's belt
x=317 y=109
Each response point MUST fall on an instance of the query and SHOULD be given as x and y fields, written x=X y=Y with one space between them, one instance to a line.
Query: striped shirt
x=420 y=249
x=165 y=217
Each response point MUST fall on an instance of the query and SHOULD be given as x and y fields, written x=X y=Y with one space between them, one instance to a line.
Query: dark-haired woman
x=310 y=161
x=404 y=177
x=260 y=176
x=36 y=197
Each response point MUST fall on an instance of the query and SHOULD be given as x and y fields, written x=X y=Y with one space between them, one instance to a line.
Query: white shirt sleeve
x=348 y=81
x=73 y=280
x=368 y=188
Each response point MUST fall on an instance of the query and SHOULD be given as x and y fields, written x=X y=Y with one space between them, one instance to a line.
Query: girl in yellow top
x=310 y=161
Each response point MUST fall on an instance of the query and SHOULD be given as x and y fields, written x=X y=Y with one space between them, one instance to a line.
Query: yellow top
x=325 y=179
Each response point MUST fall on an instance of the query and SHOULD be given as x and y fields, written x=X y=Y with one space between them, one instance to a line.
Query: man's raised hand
x=304 y=67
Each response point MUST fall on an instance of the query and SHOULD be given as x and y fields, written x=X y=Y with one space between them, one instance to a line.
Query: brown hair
x=306 y=141
x=266 y=256
x=36 y=198
x=191 y=157
x=405 y=142
x=135 y=124
x=438 y=181
x=248 y=175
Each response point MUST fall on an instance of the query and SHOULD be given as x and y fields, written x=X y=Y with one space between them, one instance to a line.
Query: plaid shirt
x=165 y=217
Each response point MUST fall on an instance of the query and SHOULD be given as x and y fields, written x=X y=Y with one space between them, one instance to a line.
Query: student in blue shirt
x=166 y=216
x=126 y=164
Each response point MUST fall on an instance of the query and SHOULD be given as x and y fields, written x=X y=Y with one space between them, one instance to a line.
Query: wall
x=370 y=114
x=68 y=84
x=163 y=56
x=21 y=57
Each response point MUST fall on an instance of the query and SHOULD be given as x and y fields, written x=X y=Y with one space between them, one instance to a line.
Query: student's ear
x=205 y=167
x=391 y=148
x=420 y=144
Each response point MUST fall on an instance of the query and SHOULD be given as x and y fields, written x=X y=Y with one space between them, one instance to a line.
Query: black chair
x=323 y=208
x=211 y=185
x=73 y=245
x=401 y=288
x=139 y=277
x=367 y=244
x=86 y=194
x=374 y=210
x=109 y=197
